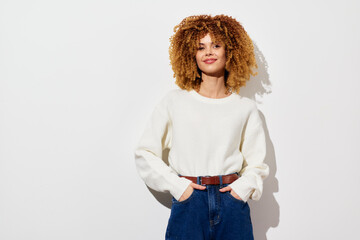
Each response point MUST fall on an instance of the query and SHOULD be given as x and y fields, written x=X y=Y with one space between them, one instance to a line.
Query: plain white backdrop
x=79 y=79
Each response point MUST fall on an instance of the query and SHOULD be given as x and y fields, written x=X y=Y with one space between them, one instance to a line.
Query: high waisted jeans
x=210 y=215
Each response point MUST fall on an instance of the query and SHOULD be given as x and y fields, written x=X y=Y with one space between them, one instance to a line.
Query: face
x=210 y=57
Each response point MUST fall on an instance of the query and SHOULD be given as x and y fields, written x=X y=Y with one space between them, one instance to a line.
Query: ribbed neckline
x=211 y=100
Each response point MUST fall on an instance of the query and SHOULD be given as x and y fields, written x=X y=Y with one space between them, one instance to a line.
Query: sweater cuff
x=179 y=189
x=243 y=187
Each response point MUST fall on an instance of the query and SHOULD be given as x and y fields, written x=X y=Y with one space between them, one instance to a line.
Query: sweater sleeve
x=253 y=149
x=148 y=155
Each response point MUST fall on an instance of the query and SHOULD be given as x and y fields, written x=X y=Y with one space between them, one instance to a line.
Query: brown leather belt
x=213 y=180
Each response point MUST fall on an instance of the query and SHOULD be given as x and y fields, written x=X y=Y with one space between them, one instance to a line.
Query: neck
x=213 y=86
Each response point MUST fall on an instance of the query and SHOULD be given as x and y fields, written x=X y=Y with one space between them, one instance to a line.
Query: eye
x=217 y=46
x=200 y=48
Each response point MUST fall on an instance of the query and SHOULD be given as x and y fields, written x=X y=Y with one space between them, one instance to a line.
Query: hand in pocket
x=189 y=190
x=232 y=192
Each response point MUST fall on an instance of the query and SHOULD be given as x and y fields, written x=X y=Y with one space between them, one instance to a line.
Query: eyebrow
x=211 y=43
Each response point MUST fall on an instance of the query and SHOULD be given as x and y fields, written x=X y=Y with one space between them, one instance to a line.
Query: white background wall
x=79 y=79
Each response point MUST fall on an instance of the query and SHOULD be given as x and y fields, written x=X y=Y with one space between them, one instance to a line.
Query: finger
x=225 y=189
x=197 y=186
x=235 y=195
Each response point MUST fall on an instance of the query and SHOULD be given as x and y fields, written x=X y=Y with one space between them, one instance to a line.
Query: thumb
x=197 y=186
x=225 y=189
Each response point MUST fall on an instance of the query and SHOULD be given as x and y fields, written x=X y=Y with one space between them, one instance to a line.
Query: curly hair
x=239 y=50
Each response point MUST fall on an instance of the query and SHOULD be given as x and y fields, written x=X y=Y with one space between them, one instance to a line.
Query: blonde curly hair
x=239 y=50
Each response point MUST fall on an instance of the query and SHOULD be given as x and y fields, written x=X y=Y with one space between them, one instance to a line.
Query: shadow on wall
x=265 y=213
x=260 y=84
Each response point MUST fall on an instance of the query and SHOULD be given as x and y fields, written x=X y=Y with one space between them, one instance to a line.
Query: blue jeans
x=209 y=215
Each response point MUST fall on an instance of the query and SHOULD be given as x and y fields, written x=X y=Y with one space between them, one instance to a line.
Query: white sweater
x=205 y=136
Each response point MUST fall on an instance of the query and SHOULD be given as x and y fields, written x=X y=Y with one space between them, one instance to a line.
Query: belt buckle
x=202 y=178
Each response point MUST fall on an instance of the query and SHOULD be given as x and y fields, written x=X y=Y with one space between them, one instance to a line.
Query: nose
x=208 y=51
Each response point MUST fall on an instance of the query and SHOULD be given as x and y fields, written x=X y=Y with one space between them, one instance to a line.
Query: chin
x=215 y=73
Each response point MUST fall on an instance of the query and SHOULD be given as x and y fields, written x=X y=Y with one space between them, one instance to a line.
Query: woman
x=215 y=136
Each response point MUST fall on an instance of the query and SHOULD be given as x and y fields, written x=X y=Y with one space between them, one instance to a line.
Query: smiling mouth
x=209 y=61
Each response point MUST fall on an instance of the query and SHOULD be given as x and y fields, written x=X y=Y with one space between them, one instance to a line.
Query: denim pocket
x=186 y=200
x=233 y=198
